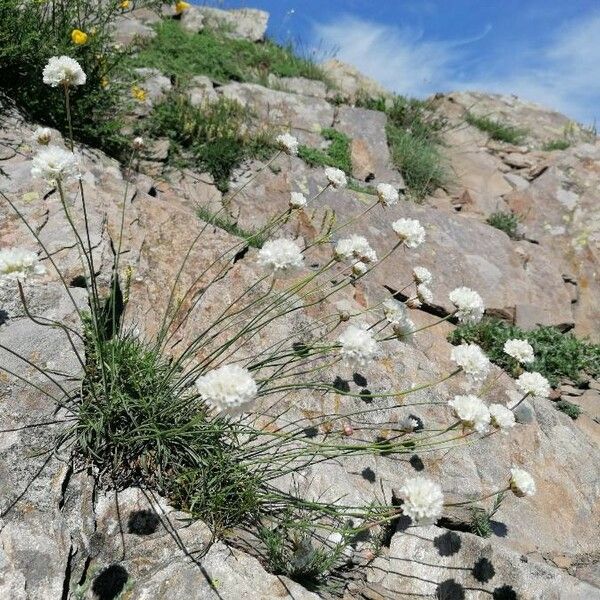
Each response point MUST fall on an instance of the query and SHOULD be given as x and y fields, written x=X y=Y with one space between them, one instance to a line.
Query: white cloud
x=563 y=75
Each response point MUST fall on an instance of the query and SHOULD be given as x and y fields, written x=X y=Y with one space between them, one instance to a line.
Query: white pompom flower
x=297 y=200
x=520 y=350
x=358 y=346
x=356 y=246
x=424 y=294
x=408 y=424
x=336 y=177
x=521 y=483
x=63 y=70
x=469 y=304
x=42 y=136
x=138 y=143
x=282 y=256
x=533 y=384
x=288 y=143
x=19 y=263
x=388 y=195
x=502 y=417
x=472 y=360
x=359 y=268
x=227 y=387
x=422 y=275
x=54 y=164
x=410 y=232
x=471 y=411
x=394 y=311
x=423 y=498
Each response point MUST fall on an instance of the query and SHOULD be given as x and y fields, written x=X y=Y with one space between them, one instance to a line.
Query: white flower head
x=469 y=304
x=42 y=136
x=356 y=246
x=63 y=70
x=471 y=411
x=55 y=164
x=287 y=143
x=502 y=417
x=358 y=345
x=404 y=328
x=394 y=311
x=138 y=143
x=228 y=386
x=422 y=275
x=423 y=498
x=521 y=483
x=424 y=294
x=533 y=384
x=297 y=200
x=388 y=195
x=19 y=263
x=520 y=350
x=336 y=177
x=410 y=232
x=408 y=424
x=282 y=256
x=472 y=360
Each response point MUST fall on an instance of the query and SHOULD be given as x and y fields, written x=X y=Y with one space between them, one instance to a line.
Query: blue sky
x=544 y=50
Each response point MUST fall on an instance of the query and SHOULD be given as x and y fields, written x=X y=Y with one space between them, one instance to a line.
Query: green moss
x=558 y=356
x=181 y=54
x=336 y=155
x=505 y=221
x=497 y=130
x=570 y=409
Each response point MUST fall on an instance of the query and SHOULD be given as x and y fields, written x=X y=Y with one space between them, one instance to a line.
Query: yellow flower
x=79 y=37
x=124 y=4
x=138 y=93
x=181 y=6
x=104 y=81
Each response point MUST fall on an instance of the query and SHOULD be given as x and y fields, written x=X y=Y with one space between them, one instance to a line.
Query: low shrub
x=496 y=129
x=505 y=221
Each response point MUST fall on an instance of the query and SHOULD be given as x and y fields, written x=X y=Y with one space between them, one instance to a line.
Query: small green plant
x=413 y=135
x=336 y=155
x=254 y=239
x=558 y=355
x=570 y=409
x=481 y=519
x=505 y=221
x=558 y=144
x=212 y=138
x=496 y=129
x=182 y=55
x=355 y=186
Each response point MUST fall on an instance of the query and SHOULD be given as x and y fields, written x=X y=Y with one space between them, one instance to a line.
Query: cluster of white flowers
x=288 y=143
x=228 y=386
x=423 y=498
x=533 y=384
x=410 y=232
x=138 y=143
x=424 y=294
x=297 y=200
x=336 y=177
x=282 y=256
x=359 y=268
x=395 y=314
x=502 y=417
x=408 y=424
x=358 y=346
x=19 y=263
x=422 y=275
x=472 y=412
x=356 y=246
x=42 y=136
x=63 y=70
x=520 y=350
x=388 y=195
x=521 y=482
x=472 y=360
x=470 y=307
x=55 y=164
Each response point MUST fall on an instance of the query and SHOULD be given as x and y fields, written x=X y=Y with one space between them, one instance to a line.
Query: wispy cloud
x=563 y=74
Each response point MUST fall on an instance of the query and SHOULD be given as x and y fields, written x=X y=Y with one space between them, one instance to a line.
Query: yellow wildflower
x=124 y=4
x=181 y=6
x=79 y=37
x=138 y=93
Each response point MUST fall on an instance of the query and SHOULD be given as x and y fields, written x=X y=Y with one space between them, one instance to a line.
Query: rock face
x=350 y=82
x=63 y=536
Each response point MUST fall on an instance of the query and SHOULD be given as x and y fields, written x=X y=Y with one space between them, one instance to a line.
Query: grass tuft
x=558 y=356
x=336 y=155
x=497 y=130
x=570 y=409
x=558 y=144
x=505 y=221
x=253 y=238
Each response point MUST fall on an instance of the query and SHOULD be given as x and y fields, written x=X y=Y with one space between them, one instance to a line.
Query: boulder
x=245 y=23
